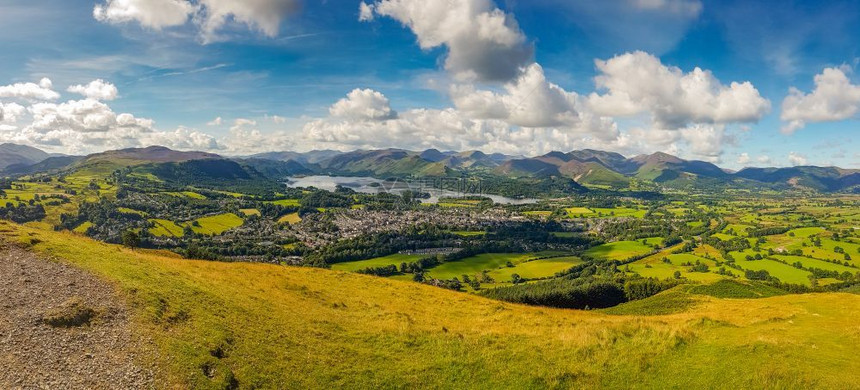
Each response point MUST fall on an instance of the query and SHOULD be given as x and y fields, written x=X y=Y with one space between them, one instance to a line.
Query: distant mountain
x=312 y=157
x=818 y=178
x=587 y=167
x=20 y=155
x=396 y=162
x=151 y=154
x=528 y=167
x=46 y=165
x=661 y=167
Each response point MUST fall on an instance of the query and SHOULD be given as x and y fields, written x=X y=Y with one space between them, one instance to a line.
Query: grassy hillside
x=256 y=325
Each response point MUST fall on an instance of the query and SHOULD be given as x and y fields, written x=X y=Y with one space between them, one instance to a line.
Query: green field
x=395 y=259
x=82 y=228
x=165 y=228
x=217 y=224
x=619 y=250
x=815 y=263
x=290 y=218
x=601 y=212
x=536 y=269
x=469 y=233
x=286 y=202
x=249 y=212
x=475 y=264
x=187 y=194
x=785 y=273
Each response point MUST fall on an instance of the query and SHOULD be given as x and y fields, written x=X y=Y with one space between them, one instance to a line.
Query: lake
x=370 y=185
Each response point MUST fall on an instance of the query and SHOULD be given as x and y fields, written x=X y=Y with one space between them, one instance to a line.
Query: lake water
x=370 y=185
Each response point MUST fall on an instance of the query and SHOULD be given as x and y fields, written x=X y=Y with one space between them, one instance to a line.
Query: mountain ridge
x=587 y=166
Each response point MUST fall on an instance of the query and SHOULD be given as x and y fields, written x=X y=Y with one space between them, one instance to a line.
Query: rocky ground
x=62 y=328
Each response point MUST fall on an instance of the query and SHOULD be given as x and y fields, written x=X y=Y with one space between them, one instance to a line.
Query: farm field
x=536 y=269
x=619 y=250
x=290 y=218
x=285 y=202
x=395 y=259
x=785 y=273
x=217 y=224
x=165 y=228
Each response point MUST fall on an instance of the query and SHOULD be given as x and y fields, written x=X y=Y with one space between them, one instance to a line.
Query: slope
x=261 y=326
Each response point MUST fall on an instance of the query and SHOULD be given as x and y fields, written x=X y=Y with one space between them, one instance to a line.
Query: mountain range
x=591 y=168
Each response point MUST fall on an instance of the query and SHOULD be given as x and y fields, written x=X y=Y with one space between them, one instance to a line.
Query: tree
x=516 y=279
x=677 y=274
x=131 y=239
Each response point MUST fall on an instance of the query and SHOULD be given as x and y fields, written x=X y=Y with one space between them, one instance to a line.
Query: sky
x=734 y=82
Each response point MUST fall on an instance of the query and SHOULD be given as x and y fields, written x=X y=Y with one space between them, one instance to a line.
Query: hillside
x=12 y=154
x=587 y=167
x=255 y=325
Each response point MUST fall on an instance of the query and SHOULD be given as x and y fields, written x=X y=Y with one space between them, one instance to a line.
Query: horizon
x=290 y=75
x=508 y=156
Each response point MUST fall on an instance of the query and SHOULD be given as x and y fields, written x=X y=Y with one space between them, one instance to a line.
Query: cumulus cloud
x=96 y=89
x=245 y=138
x=484 y=43
x=834 y=98
x=639 y=83
x=462 y=129
x=30 y=91
x=10 y=112
x=86 y=125
x=796 y=159
x=363 y=104
x=154 y=14
x=215 y=122
x=209 y=16
x=87 y=115
x=532 y=101
x=744 y=158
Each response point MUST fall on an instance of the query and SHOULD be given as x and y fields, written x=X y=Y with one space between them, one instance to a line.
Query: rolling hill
x=587 y=167
x=241 y=325
x=20 y=155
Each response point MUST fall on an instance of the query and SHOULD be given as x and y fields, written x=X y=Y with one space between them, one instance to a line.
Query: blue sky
x=512 y=76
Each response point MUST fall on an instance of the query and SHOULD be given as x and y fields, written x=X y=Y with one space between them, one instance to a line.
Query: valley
x=224 y=264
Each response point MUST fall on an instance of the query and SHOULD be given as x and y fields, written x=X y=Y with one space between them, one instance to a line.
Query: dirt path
x=89 y=344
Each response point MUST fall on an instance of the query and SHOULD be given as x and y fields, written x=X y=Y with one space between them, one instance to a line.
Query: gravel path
x=100 y=354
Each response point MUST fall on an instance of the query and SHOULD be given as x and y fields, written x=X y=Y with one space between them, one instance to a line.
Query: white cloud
x=215 y=122
x=363 y=104
x=210 y=16
x=240 y=122
x=796 y=159
x=96 y=89
x=833 y=99
x=87 y=115
x=88 y=125
x=483 y=42
x=744 y=158
x=245 y=138
x=365 y=12
x=10 y=112
x=277 y=119
x=154 y=14
x=763 y=159
x=30 y=91
x=490 y=130
x=689 y=8
x=182 y=138
x=638 y=83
